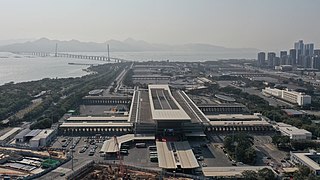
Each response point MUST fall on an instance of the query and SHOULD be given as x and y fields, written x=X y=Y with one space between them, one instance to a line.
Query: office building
x=261 y=59
x=271 y=59
x=293 y=132
x=289 y=96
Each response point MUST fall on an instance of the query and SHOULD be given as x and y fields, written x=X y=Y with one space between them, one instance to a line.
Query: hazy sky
x=264 y=24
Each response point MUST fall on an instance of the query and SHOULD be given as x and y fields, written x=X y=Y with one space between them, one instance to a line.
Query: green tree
x=250 y=175
x=266 y=174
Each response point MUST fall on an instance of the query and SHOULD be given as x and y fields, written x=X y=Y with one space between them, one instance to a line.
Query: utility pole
x=72 y=152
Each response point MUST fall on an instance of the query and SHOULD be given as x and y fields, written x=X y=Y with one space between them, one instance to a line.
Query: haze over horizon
x=267 y=25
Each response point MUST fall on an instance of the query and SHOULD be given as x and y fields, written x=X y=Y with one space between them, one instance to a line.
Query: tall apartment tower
x=308 y=49
x=293 y=57
x=271 y=59
x=316 y=52
x=283 y=57
x=261 y=59
x=299 y=47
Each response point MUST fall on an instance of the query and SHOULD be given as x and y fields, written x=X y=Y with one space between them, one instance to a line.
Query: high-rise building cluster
x=301 y=56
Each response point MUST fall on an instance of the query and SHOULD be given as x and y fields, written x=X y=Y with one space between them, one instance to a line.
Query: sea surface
x=21 y=68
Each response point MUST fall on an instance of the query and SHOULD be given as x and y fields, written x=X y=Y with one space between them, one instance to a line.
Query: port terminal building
x=161 y=111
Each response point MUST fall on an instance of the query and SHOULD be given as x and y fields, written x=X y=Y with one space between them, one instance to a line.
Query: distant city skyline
x=267 y=25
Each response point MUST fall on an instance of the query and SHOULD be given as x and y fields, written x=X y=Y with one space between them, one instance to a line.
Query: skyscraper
x=316 y=62
x=271 y=58
x=261 y=59
x=308 y=49
x=316 y=52
x=299 y=47
x=292 y=57
x=283 y=57
x=277 y=61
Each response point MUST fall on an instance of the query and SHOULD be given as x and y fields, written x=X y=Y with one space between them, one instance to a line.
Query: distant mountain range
x=128 y=45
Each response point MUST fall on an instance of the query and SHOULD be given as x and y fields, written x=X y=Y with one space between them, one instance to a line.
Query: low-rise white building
x=293 y=132
x=309 y=159
x=43 y=138
x=291 y=96
x=272 y=91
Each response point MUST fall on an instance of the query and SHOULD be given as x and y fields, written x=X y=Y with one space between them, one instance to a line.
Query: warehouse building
x=9 y=135
x=43 y=138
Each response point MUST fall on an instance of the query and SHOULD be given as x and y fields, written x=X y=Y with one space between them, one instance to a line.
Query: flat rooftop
x=108 y=97
x=109 y=146
x=304 y=157
x=97 y=118
x=102 y=125
x=43 y=134
x=163 y=105
x=239 y=123
x=174 y=154
x=288 y=129
x=236 y=117
x=222 y=105
x=9 y=133
x=229 y=171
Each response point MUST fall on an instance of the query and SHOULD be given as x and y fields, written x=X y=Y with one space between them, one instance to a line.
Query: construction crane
x=119 y=156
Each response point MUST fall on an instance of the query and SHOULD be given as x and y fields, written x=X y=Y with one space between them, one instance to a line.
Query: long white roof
x=229 y=171
x=233 y=117
x=172 y=154
x=109 y=146
x=239 y=123
x=166 y=114
x=9 y=133
x=304 y=157
x=85 y=124
x=96 y=118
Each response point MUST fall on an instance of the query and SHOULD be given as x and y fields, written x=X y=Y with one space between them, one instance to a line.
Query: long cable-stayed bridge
x=74 y=56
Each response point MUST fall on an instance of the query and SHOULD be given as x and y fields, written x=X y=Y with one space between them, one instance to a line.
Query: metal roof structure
x=9 y=133
x=109 y=146
x=233 y=171
x=223 y=105
x=225 y=98
x=174 y=154
x=96 y=118
x=235 y=117
x=88 y=125
x=303 y=156
x=33 y=133
x=292 y=112
x=108 y=97
x=21 y=134
x=43 y=134
x=239 y=123
x=164 y=106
